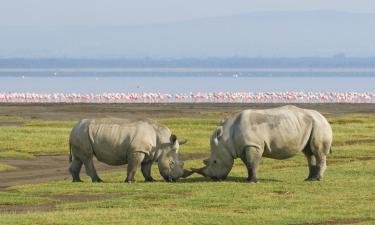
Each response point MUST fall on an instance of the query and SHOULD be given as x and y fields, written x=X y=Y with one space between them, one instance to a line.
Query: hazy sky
x=136 y=12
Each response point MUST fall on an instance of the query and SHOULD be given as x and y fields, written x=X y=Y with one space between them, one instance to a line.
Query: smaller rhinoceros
x=277 y=133
x=136 y=142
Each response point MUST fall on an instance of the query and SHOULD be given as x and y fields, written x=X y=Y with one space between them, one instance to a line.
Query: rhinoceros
x=136 y=142
x=277 y=133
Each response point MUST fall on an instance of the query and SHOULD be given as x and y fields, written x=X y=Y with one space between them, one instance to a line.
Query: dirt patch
x=360 y=158
x=43 y=168
x=52 y=206
x=27 y=208
x=346 y=159
x=82 y=197
x=282 y=192
x=10 y=123
x=356 y=142
x=339 y=221
x=347 y=121
x=364 y=158
x=286 y=166
x=79 y=111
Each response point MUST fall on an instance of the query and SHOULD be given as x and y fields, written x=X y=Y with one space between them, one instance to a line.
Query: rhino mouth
x=215 y=178
x=170 y=179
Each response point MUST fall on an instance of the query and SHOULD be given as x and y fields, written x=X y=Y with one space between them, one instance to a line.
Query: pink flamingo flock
x=218 y=97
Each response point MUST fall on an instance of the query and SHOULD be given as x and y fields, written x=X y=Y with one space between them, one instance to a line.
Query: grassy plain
x=346 y=196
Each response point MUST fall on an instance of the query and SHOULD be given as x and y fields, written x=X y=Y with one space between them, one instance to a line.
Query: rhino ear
x=173 y=139
x=182 y=141
x=175 y=144
x=219 y=132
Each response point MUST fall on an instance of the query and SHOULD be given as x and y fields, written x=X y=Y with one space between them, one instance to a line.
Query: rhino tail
x=70 y=152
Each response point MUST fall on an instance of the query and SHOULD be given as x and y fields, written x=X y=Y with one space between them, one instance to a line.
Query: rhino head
x=170 y=166
x=220 y=163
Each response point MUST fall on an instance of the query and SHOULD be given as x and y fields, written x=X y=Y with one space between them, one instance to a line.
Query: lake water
x=79 y=82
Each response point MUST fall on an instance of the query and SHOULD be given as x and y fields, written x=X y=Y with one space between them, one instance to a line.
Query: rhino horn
x=187 y=173
x=182 y=141
x=199 y=171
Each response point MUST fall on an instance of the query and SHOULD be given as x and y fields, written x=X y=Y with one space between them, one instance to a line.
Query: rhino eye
x=171 y=163
x=215 y=161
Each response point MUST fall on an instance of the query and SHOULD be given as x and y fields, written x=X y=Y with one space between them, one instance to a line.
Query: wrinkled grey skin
x=277 y=133
x=125 y=141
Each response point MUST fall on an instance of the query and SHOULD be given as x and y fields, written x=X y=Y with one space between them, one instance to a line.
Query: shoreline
x=53 y=111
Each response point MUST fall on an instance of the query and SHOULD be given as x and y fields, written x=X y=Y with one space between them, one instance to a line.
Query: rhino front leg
x=252 y=158
x=146 y=171
x=134 y=162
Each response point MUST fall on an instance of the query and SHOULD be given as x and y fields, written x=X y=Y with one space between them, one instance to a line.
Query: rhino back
x=282 y=132
x=113 y=140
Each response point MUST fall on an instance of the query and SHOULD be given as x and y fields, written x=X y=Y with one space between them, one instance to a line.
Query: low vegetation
x=346 y=196
x=6 y=167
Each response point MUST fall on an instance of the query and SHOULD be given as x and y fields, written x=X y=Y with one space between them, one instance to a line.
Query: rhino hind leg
x=134 y=162
x=311 y=162
x=319 y=148
x=91 y=171
x=251 y=158
x=75 y=169
x=321 y=166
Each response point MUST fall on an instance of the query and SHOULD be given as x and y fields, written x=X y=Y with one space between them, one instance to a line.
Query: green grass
x=281 y=197
x=17 y=198
x=46 y=137
x=346 y=196
x=6 y=167
x=15 y=154
x=34 y=137
x=196 y=131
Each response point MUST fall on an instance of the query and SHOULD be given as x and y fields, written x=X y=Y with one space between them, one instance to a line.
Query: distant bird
x=199 y=97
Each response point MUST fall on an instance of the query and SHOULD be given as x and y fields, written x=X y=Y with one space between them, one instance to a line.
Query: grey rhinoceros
x=277 y=133
x=136 y=142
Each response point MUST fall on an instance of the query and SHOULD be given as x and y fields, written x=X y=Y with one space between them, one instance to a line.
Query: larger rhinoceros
x=277 y=133
x=136 y=142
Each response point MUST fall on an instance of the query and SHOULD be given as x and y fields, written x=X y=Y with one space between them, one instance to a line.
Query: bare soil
x=340 y=221
x=52 y=206
x=10 y=123
x=46 y=168
x=54 y=167
x=42 y=169
x=79 y=111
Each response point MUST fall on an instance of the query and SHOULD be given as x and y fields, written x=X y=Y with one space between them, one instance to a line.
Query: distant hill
x=264 y=34
x=234 y=62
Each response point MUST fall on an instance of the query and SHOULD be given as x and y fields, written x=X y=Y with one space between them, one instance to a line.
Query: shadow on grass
x=228 y=179
x=198 y=180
